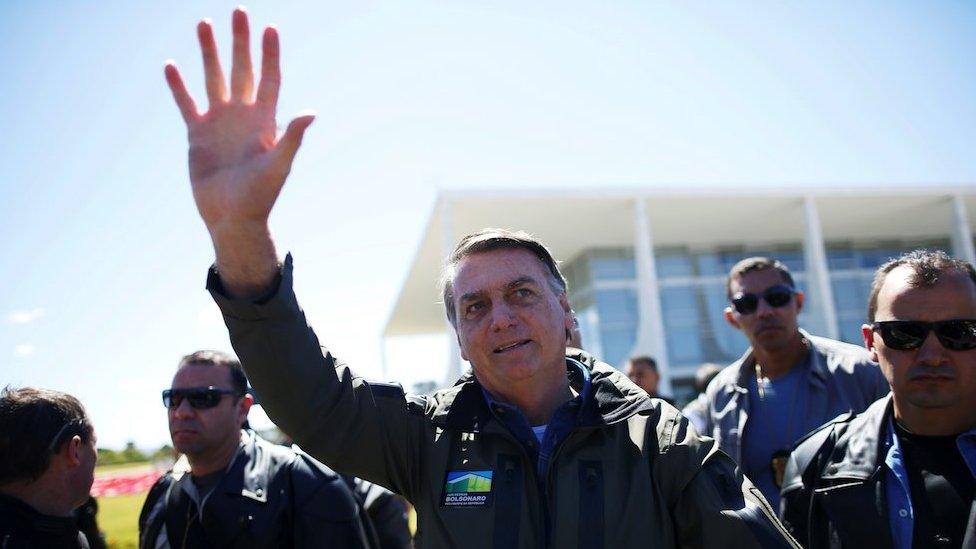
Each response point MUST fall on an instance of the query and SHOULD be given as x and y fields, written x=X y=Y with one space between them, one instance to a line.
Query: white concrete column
x=447 y=246
x=821 y=302
x=650 y=325
x=962 y=235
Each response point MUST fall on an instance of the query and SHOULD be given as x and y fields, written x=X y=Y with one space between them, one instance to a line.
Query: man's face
x=930 y=377
x=511 y=326
x=199 y=432
x=644 y=376
x=768 y=327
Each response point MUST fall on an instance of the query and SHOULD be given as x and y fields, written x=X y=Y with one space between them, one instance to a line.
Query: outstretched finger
x=188 y=108
x=270 y=70
x=241 y=73
x=290 y=141
x=214 y=75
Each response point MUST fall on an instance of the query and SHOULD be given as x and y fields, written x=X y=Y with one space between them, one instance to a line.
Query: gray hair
x=487 y=240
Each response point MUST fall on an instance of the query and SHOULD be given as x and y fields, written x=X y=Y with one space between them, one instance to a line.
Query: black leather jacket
x=271 y=496
x=834 y=486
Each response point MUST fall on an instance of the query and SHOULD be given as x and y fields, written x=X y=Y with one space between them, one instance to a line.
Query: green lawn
x=119 y=467
x=118 y=517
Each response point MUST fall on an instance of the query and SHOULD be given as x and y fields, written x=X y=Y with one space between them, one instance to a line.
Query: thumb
x=289 y=141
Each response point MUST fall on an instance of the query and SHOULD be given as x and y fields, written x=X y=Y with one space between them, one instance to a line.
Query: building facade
x=647 y=269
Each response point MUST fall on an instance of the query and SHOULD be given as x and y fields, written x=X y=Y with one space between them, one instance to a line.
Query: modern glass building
x=647 y=270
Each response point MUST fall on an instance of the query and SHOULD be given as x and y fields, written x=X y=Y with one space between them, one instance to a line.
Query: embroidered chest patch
x=467 y=488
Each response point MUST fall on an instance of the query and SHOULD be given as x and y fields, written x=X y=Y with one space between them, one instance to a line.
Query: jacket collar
x=246 y=474
x=815 y=358
x=860 y=449
x=612 y=397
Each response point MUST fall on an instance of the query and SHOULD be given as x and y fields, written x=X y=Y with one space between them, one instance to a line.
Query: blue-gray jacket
x=842 y=378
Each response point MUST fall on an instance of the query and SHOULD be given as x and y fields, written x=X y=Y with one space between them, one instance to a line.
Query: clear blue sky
x=103 y=257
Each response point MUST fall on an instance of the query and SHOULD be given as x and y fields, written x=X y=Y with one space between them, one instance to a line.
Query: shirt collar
x=576 y=372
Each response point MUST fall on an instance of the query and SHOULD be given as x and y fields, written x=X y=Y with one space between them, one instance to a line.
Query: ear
x=72 y=452
x=464 y=354
x=799 y=296
x=730 y=318
x=243 y=407
x=564 y=303
x=868 y=334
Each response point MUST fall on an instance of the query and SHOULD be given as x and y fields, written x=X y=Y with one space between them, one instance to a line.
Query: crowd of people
x=802 y=442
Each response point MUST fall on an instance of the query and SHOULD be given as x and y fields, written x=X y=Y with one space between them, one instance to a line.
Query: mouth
x=182 y=432
x=515 y=345
x=931 y=377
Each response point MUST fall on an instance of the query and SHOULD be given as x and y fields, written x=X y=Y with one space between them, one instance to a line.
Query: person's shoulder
x=727 y=377
x=843 y=353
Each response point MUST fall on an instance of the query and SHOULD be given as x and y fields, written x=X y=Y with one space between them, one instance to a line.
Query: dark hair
x=487 y=240
x=216 y=358
x=705 y=374
x=645 y=360
x=758 y=263
x=34 y=425
x=927 y=266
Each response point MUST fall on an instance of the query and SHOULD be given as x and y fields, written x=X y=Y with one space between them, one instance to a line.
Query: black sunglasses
x=200 y=398
x=776 y=296
x=905 y=335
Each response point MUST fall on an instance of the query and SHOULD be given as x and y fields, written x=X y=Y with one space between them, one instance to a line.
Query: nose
x=764 y=309
x=931 y=353
x=502 y=316
x=184 y=410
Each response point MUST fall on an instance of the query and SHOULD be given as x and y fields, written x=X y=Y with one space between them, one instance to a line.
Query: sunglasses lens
x=745 y=304
x=169 y=401
x=201 y=400
x=957 y=335
x=778 y=297
x=905 y=335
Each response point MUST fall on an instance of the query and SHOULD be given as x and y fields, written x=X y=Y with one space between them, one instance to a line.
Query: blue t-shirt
x=775 y=422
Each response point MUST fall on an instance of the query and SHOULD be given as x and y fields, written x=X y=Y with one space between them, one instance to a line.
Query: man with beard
x=901 y=474
x=241 y=490
x=788 y=382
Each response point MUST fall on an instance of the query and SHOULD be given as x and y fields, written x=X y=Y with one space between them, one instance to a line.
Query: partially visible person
x=240 y=490
x=901 y=474
x=642 y=370
x=575 y=338
x=47 y=466
x=697 y=410
x=788 y=382
x=385 y=515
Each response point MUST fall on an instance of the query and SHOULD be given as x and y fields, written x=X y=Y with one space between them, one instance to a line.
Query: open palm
x=237 y=162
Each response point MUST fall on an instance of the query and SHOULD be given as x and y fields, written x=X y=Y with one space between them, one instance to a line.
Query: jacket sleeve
x=712 y=503
x=336 y=416
x=324 y=511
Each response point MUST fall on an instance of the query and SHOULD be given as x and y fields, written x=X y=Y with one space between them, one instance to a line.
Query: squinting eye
x=474 y=308
x=523 y=292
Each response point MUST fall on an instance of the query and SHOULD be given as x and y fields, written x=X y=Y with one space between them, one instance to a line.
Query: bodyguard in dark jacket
x=903 y=473
x=240 y=490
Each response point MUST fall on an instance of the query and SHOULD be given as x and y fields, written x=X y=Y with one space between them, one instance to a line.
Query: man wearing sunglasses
x=47 y=466
x=241 y=490
x=787 y=383
x=900 y=474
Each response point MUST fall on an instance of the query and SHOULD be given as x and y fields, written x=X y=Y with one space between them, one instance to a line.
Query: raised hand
x=237 y=162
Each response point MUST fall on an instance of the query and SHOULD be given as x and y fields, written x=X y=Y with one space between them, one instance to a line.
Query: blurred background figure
x=787 y=383
x=697 y=410
x=47 y=465
x=642 y=370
